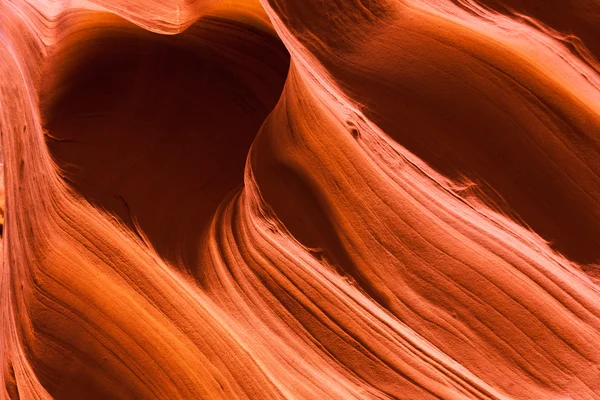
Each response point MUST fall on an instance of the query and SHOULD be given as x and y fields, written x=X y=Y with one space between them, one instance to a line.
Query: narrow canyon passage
x=279 y=199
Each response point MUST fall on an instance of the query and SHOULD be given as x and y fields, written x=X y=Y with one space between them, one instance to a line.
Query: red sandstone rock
x=300 y=199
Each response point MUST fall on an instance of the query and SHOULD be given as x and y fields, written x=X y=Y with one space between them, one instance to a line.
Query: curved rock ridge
x=282 y=199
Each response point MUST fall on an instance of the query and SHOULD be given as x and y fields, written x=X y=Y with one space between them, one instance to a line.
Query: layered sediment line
x=325 y=199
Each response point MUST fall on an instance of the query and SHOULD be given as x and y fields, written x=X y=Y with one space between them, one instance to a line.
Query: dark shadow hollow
x=156 y=129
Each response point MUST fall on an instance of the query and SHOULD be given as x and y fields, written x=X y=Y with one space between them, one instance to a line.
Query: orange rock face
x=300 y=199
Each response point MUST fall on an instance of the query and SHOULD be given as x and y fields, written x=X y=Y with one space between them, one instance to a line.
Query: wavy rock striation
x=284 y=199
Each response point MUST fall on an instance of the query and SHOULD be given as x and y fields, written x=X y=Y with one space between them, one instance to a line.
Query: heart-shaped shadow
x=156 y=129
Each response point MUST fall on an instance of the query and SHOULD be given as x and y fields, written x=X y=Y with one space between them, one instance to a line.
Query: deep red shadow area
x=156 y=129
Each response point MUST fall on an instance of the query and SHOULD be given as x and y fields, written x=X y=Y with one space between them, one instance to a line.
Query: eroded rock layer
x=285 y=199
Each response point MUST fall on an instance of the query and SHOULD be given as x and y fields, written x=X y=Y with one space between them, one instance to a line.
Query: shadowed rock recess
x=374 y=199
